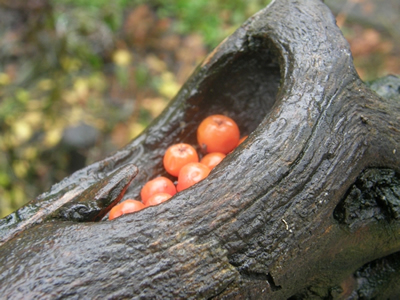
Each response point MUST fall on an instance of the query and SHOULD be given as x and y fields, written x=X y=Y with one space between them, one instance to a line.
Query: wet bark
x=307 y=207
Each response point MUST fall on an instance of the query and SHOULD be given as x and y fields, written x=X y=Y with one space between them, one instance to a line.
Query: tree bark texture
x=306 y=208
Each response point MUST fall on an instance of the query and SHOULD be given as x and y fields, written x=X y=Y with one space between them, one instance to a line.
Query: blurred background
x=79 y=79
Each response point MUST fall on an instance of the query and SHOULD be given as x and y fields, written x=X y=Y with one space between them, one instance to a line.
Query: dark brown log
x=307 y=207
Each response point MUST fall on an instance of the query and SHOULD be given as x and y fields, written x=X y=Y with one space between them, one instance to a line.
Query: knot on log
x=375 y=196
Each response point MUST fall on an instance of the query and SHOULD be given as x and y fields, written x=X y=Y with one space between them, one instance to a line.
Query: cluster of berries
x=217 y=135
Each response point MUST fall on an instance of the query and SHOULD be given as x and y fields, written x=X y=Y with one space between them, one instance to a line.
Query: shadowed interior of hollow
x=244 y=89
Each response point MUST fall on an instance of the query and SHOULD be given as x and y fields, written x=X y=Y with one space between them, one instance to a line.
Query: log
x=306 y=208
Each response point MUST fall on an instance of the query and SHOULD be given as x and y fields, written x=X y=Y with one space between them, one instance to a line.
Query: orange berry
x=157 y=199
x=157 y=185
x=218 y=133
x=126 y=207
x=177 y=156
x=212 y=159
x=191 y=174
x=242 y=139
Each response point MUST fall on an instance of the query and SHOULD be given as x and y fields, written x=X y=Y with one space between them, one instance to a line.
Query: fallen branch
x=284 y=215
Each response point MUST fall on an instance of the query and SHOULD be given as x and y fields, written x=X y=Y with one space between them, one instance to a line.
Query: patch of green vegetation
x=214 y=20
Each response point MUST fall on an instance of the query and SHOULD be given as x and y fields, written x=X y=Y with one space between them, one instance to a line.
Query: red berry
x=157 y=185
x=212 y=159
x=191 y=174
x=126 y=207
x=242 y=139
x=157 y=199
x=177 y=156
x=218 y=133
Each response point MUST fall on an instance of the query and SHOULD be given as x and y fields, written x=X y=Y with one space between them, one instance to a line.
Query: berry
x=242 y=139
x=157 y=185
x=126 y=207
x=212 y=159
x=191 y=174
x=218 y=133
x=157 y=199
x=177 y=156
